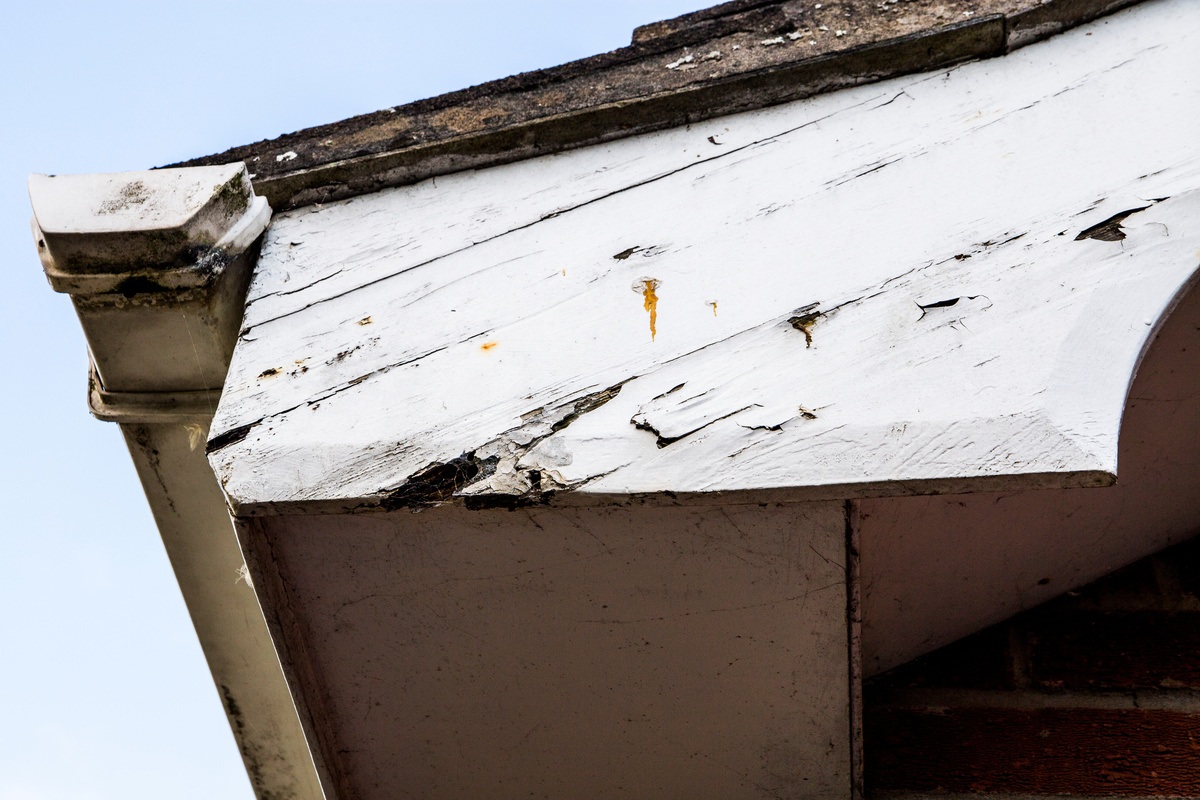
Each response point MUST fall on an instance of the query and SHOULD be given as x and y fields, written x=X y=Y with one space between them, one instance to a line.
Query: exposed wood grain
x=875 y=291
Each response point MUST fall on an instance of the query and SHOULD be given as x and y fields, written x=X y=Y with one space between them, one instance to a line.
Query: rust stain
x=488 y=345
x=713 y=303
x=650 y=303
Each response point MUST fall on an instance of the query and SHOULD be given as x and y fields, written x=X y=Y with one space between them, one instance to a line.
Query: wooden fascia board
x=916 y=289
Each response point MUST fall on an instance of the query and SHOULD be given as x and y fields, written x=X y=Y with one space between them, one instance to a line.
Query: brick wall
x=1096 y=694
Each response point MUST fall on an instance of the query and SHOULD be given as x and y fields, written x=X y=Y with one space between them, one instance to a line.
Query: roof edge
x=629 y=92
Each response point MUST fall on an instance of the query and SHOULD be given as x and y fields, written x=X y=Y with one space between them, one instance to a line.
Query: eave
x=913 y=273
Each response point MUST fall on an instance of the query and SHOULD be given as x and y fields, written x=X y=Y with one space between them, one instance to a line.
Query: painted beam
x=937 y=283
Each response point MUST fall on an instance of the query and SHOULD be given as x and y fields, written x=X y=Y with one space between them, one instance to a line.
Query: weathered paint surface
x=905 y=300
x=571 y=653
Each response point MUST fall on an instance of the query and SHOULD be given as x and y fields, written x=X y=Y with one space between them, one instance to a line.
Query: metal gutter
x=157 y=265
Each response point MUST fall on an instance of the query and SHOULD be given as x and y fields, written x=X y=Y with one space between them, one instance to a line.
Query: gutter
x=157 y=265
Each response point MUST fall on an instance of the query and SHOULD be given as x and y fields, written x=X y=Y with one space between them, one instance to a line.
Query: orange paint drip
x=488 y=345
x=651 y=303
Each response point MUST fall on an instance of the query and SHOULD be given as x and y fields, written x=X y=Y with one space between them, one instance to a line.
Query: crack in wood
x=953 y=301
x=599 y=198
x=1110 y=229
x=239 y=433
x=440 y=482
x=665 y=441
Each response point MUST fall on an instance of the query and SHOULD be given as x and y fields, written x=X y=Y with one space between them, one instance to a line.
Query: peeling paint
x=1110 y=229
x=434 y=484
x=643 y=424
x=495 y=474
x=766 y=222
x=803 y=320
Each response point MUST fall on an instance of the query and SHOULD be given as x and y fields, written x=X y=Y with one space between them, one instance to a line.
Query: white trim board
x=901 y=300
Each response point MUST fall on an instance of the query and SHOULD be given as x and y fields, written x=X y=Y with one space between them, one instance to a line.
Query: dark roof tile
x=733 y=57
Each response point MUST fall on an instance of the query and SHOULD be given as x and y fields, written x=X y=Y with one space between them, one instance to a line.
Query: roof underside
x=733 y=57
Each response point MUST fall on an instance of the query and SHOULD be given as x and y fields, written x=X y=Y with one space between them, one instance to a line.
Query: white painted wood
x=501 y=317
x=576 y=653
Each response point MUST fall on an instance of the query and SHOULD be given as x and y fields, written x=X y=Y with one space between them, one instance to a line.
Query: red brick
x=1082 y=751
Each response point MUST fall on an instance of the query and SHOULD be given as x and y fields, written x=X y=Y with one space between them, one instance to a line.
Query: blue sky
x=106 y=694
